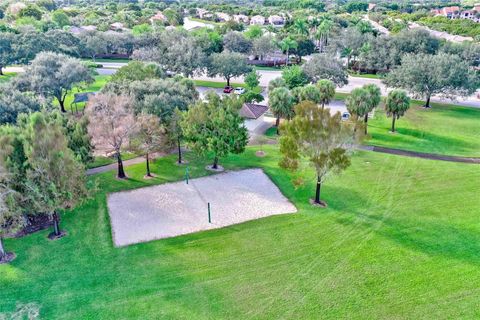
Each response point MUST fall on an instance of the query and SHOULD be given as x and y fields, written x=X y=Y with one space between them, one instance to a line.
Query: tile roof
x=252 y=110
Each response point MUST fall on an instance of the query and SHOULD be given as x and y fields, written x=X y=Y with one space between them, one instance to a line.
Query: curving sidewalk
x=414 y=154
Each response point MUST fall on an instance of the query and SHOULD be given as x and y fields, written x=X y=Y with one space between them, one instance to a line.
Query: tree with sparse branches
x=215 y=126
x=323 y=139
x=396 y=104
x=111 y=122
x=150 y=137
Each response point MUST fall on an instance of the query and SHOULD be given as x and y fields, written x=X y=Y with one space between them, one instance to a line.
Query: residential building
x=223 y=17
x=241 y=18
x=257 y=20
x=158 y=17
x=276 y=21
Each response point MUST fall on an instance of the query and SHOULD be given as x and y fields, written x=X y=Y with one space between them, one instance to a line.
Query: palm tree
x=286 y=45
x=396 y=105
x=281 y=104
x=374 y=97
x=357 y=104
x=326 y=90
x=323 y=33
x=301 y=27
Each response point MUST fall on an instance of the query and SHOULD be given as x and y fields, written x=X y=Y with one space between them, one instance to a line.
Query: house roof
x=252 y=110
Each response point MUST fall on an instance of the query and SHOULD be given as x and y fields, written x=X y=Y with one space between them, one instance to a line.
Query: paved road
x=267 y=75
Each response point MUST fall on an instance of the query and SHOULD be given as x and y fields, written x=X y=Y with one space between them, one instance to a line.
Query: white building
x=257 y=20
x=276 y=21
x=241 y=18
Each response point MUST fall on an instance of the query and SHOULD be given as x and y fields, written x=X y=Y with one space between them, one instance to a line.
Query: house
x=223 y=17
x=117 y=26
x=371 y=6
x=449 y=12
x=257 y=20
x=253 y=114
x=201 y=12
x=241 y=18
x=276 y=21
x=158 y=17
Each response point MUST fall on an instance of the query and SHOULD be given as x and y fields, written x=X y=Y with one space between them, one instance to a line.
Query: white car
x=239 y=90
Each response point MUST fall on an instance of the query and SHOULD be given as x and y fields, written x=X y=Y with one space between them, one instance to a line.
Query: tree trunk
x=277 y=124
x=317 y=192
x=62 y=105
x=323 y=105
x=366 y=123
x=56 y=224
x=121 y=172
x=1 y=70
x=148 y=165
x=228 y=81
x=288 y=60
x=394 y=117
x=2 y=249
x=215 y=163
x=427 y=103
x=179 y=151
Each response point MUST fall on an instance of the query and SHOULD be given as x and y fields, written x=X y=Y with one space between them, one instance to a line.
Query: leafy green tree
x=263 y=46
x=234 y=41
x=228 y=65
x=54 y=75
x=253 y=32
x=309 y=93
x=294 y=76
x=55 y=180
x=281 y=102
x=253 y=91
x=14 y=102
x=374 y=97
x=425 y=75
x=150 y=137
x=215 y=126
x=396 y=105
x=318 y=136
x=60 y=18
x=322 y=66
x=286 y=45
x=10 y=216
x=32 y=11
x=323 y=33
x=326 y=90
x=7 y=50
x=276 y=83
x=157 y=96
x=138 y=71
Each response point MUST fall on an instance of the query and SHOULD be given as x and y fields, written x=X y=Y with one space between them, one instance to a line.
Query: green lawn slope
x=400 y=239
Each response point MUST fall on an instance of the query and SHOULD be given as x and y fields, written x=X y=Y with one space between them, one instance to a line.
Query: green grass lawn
x=400 y=239
x=216 y=84
x=443 y=129
x=365 y=75
x=114 y=60
x=101 y=161
x=97 y=85
x=7 y=76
